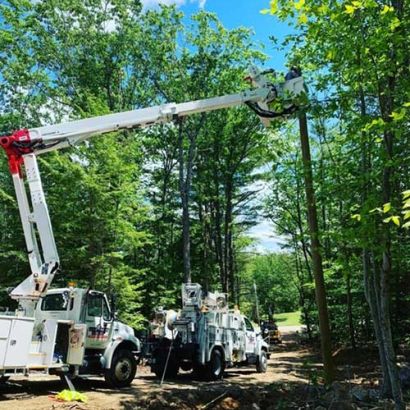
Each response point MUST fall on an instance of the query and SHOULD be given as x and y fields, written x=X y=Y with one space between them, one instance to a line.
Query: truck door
x=98 y=319
x=250 y=336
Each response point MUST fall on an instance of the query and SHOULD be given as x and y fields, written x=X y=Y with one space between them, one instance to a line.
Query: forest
x=137 y=213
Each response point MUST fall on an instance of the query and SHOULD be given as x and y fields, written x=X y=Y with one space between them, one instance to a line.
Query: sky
x=236 y=13
x=232 y=14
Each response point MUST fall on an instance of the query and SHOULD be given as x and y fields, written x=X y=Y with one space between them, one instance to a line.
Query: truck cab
x=103 y=344
x=257 y=350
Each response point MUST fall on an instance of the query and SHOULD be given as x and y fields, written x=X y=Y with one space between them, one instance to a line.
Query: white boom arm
x=23 y=146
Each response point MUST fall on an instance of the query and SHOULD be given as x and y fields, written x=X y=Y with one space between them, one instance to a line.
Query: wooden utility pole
x=320 y=291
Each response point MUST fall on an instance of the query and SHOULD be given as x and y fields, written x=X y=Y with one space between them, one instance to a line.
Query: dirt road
x=287 y=370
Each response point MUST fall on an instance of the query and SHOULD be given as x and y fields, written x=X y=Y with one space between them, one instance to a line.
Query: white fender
x=106 y=359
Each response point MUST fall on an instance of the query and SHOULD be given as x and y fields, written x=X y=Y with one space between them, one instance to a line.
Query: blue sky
x=232 y=14
x=236 y=13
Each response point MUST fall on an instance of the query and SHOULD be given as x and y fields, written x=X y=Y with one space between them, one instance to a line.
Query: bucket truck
x=71 y=329
x=205 y=336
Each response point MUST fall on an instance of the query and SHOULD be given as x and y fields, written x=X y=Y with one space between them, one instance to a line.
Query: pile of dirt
x=221 y=397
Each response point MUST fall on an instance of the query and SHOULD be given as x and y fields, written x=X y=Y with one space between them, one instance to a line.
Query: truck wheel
x=215 y=367
x=122 y=370
x=4 y=379
x=262 y=363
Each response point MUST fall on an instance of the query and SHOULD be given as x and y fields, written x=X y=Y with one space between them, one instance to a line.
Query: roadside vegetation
x=288 y=319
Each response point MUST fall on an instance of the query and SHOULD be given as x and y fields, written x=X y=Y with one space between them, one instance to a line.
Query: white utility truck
x=73 y=329
x=205 y=336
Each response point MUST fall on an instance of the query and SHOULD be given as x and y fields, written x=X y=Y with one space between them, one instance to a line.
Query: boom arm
x=23 y=146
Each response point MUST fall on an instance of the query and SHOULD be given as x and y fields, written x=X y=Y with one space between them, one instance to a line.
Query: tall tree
x=316 y=252
x=361 y=84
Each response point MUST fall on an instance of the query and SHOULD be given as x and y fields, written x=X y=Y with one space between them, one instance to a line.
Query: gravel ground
x=285 y=368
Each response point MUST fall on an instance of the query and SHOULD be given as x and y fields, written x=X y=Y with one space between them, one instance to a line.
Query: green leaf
x=298 y=5
x=303 y=19
x=323 y=9
x=398 y=116
x=349 y=9
x=406 y=194
x=357 y=217
x=386 y=9
x=5 y=196
x=396 y=220
x=378 y=122
x=394 y=24
x=386 y=207
x=273 y=4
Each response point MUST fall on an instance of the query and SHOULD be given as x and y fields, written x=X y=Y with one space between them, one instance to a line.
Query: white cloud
x=267 y=240
x=148 y=4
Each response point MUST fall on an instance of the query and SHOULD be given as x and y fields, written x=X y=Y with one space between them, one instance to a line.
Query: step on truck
x=205 y=336
x=73 y=330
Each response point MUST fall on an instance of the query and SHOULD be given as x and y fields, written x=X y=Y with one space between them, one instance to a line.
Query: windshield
x=57 y=301
x=249 y=327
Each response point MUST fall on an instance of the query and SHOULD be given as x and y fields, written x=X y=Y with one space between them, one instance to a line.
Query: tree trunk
x=228 y=242
x=301 y=290
x=350 y=311
x=185 y=179
x=371 y=293
x=324 y=326
x=385 y=274
x=386 y=102
x=372 y=280
x=218 y=237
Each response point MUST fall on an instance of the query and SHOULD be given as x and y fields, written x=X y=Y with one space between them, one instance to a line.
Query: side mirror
x=113 y=306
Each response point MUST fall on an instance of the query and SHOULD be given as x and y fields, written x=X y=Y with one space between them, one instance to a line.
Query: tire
x=186 y=366
x=216 y=366
x=262 y=363
x=4 y=379
x=123 y=369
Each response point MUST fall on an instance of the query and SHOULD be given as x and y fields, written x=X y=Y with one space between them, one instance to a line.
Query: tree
x=69 y=60
x=275 y=277
x=364 y=98
x=317 y=264
x=215 y=152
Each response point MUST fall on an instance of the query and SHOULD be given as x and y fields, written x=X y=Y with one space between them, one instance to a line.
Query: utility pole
x=320 y=291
